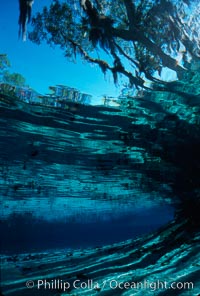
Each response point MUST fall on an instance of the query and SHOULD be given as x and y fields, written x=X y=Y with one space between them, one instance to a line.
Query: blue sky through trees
x=43 y=66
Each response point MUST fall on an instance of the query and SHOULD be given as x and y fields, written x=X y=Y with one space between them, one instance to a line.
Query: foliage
x=14 y=79
x=4 y=62
x=140 y=38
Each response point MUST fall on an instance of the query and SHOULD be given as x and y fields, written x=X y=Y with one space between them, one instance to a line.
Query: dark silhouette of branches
x=25 y=8
x=156 y=32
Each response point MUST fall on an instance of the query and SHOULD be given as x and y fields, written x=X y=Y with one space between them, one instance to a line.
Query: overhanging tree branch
x=138 y=66
x=130 y=10
x=137 y=35
x=105 y=66
x=151 y=32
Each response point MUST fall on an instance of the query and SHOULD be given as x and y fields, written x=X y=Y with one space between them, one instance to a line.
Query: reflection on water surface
x=70 y=178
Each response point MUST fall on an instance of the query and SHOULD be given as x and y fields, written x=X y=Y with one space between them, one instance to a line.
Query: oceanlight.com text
x=112 y=284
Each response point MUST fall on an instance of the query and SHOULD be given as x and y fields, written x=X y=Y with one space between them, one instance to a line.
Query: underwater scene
x=100 y=147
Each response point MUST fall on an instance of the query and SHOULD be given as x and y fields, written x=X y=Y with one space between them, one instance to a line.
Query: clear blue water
x=73 y=184
x=25 y=233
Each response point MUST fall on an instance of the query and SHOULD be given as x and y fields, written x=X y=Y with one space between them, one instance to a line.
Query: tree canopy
x=14 y=79
x=139 y=40
x=4 y=62
x=135 y=39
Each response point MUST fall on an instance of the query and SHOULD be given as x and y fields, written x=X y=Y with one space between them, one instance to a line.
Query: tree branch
x=118 y=68
x=130 y=10
x=102 y=64
x=137 y=64
x=139 y=36
x=122 y=52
